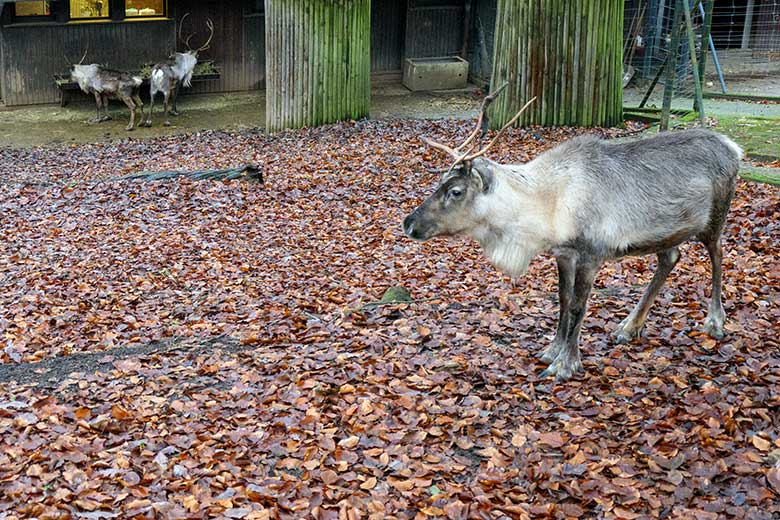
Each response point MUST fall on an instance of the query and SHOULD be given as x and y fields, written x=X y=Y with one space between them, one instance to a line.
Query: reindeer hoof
x=714 y=329
x=549 y=354
x=561 y=369
x=167 y=123
x=624 y=337
x=148 y=124
x=129 y=128
x=174 y=113
x=104 y=118
x=626 y=332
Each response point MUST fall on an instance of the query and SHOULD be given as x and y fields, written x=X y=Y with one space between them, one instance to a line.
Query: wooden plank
x=671 y=66
x=569 y=54
x=320 y=70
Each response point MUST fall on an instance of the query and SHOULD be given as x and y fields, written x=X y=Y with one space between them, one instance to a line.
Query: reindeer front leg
x=568 y=361
x=105 y=116
x=140 y=105
x=98 y=103
x=174 y=93
x=566 y=265
x=131 y=105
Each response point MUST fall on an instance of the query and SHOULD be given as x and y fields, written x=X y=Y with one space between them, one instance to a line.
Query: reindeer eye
x=456 y=193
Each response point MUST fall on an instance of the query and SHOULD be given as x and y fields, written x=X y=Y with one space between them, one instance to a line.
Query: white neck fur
x=521 y=216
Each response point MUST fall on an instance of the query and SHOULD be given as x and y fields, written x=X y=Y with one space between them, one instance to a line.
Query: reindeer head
x=455 y=207
x=80 y=73
x=186 y=41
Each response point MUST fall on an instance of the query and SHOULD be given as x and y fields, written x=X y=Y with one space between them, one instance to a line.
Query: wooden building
x=37 y=36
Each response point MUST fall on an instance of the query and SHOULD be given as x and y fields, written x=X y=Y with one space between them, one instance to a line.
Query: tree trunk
x=318 y=64
x=567 y=53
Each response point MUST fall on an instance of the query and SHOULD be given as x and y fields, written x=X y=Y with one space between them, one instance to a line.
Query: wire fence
x=742 y=50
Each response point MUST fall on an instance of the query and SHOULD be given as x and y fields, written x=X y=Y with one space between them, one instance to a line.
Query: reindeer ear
x=480 y=170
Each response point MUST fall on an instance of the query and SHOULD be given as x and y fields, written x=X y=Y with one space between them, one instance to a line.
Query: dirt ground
x=54 y=125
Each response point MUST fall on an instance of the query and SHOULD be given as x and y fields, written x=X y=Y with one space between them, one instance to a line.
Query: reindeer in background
x=104 y=84
x=177 y=70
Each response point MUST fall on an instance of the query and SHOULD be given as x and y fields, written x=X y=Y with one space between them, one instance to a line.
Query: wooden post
x=705 y=37
x=671 y=67
x=748 y=24
x=698 y=104
x=568 y=54
x=318 y=62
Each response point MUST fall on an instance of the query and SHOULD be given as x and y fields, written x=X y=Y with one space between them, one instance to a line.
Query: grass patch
x=765 y=175
x=758 y=136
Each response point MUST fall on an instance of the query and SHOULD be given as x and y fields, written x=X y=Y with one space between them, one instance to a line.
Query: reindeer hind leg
x=166 y=107
x=631 y=327
x=716 y=316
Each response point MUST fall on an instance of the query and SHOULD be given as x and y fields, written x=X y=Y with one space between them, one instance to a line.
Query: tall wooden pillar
x=318 y=61
x=567 y=53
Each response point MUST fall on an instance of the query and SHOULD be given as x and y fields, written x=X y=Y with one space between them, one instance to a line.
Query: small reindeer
x=104 y=84
x=588 y=201
x=176 y=70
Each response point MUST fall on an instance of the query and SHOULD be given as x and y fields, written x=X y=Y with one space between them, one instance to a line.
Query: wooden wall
x=434 y=28
x=238 y=47
x=387 y=35
x=33 y=53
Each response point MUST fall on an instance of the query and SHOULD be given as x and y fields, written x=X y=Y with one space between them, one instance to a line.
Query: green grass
x=758 y=136
x=765 y=175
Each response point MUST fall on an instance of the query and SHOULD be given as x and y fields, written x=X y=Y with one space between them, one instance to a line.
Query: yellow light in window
x=89 y=8
x=145 y=8
x=32 y=9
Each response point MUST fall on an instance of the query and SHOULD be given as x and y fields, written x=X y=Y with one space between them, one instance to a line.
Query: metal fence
x=742 y=50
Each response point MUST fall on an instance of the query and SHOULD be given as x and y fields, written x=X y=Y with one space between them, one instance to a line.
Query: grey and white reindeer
x=585 y=202
x=168 y=76
x=105 y=84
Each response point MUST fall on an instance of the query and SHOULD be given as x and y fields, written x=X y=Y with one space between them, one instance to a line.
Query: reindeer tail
x=137 y=81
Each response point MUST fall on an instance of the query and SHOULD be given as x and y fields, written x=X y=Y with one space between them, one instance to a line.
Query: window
x=135 y=8
x=88 y=9
x=32 y=9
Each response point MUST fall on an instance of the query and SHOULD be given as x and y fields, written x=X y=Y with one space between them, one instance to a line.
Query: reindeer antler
x=481 y=125
x=456 y=153
x=482 y=122
x=484 y=150
x=83 y=57
x=181 y=26
x=205 y=46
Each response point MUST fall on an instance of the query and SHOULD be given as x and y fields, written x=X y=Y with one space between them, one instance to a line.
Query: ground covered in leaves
x=232 y=369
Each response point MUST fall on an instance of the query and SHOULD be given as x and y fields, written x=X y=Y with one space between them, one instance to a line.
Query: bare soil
x=47 y=125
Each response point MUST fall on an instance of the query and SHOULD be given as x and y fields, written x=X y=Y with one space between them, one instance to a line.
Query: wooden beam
x=699 y=103
x=318 y=63
x=671 y=66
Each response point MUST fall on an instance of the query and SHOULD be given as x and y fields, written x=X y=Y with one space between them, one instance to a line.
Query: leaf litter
x=334 y=409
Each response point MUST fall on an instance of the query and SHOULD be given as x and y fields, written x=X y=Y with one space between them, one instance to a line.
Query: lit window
x=89 y=9
x=32 y=9
x=144 y=8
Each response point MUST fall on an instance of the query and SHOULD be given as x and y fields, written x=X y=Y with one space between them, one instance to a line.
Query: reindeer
x=105 y=83
x=168 y=75
x=588 y=201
